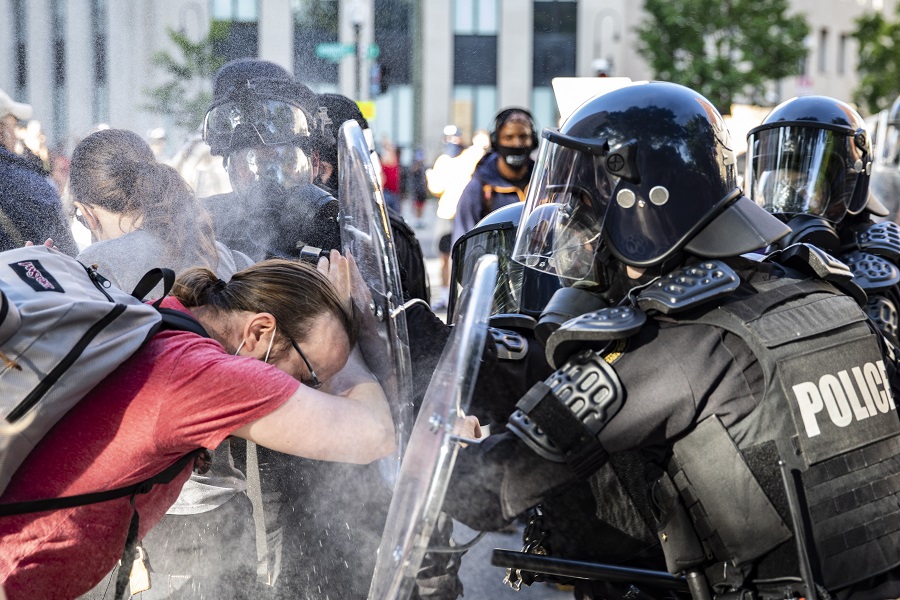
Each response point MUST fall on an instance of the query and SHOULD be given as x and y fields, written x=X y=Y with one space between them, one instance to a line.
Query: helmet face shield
x=564 y=211
x=255 y=122
x=803 y=170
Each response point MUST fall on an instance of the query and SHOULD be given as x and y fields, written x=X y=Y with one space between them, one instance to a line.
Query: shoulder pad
x=560 y=418
x=511 y=345
x=812 y=260
x=514 y=321
x=872 y=273
x=883 y=313
x=689 y=286
x=882 y=239
x=593 y=330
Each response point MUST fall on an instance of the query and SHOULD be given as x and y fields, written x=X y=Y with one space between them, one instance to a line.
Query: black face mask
x=514 y=157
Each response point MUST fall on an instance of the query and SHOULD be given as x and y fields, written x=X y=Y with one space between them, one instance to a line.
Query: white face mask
x=268 y=350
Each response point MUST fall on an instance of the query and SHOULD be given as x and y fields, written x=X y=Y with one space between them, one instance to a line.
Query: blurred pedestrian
x=30 y=208
x=448 y=177
x=390 y=174
x=501 y=176
x=417 y=186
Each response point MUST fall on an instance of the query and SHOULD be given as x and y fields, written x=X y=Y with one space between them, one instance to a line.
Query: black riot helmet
x=261 y=121
x=642 y=175
x=810 y=156
x=519 y=289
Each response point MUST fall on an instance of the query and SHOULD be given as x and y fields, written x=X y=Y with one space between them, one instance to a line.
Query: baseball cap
x=19 y=110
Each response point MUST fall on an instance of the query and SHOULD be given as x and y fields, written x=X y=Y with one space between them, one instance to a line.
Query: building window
x=475 y=17
x=60 y=97
x=246 y=11
x=554 y=40
x=823 y=51
x=20 y=33
x=393 y=37
x=842 y=54
x=243 y=32
x=315 y=23
x=474 y=108
x=475 y=42
x=100 y=105
x=475 y=24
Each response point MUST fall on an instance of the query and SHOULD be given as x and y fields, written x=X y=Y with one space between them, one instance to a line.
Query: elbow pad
x=560 y=418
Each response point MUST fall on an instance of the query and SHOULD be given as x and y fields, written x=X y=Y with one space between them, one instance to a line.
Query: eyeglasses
x=315 y=383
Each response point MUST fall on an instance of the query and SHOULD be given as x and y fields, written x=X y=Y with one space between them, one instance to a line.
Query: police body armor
x=821 y=357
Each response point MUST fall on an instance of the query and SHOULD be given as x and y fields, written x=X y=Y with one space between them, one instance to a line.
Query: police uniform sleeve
x=495 y=481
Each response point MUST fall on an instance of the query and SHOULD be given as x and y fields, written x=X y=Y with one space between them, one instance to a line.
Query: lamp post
x=358 y=15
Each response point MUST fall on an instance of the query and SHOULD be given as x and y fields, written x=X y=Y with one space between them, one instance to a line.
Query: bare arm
x=354 y=425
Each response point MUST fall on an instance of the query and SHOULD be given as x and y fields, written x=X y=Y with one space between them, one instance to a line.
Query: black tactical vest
x=828 y=413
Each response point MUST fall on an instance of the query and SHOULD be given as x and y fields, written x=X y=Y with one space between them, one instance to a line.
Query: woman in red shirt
x=273 y=327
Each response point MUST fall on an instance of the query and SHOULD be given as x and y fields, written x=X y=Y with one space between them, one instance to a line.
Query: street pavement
x=481 y=580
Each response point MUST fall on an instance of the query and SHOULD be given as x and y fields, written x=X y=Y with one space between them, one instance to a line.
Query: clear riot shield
x=366 y=235
x=428 y=462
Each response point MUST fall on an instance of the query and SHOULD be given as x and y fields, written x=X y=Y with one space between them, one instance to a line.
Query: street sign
x=373 y=51
x=334 y=51
x=367 y=108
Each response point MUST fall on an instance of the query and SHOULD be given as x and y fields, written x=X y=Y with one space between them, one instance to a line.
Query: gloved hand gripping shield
x=428 y=462
x=366 y=236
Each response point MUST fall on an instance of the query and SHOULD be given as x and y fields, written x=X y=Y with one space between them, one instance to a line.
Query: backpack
x=63 y=328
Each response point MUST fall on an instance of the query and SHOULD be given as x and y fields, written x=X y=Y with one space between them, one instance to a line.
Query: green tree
x=722 y=48
x=879 y=61
x=186 y=95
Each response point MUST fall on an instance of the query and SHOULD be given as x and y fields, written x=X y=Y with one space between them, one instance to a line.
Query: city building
x=417 y=65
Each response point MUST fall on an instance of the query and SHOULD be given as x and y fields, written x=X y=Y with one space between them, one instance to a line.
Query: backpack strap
x=150 y=280
x=180 y=321
x=142 y=487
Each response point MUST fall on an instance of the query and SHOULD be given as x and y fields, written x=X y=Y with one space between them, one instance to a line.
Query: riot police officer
x=809 y=164
x=262 y=123
x=757 y=396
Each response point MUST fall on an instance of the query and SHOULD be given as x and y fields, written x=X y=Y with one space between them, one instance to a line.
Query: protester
x=417 y=186
x=30 y=208
x=145 y=216
x=501 y=176
x=448 y=177
x=182 y=391
x=141 y=212
x=651 y=222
